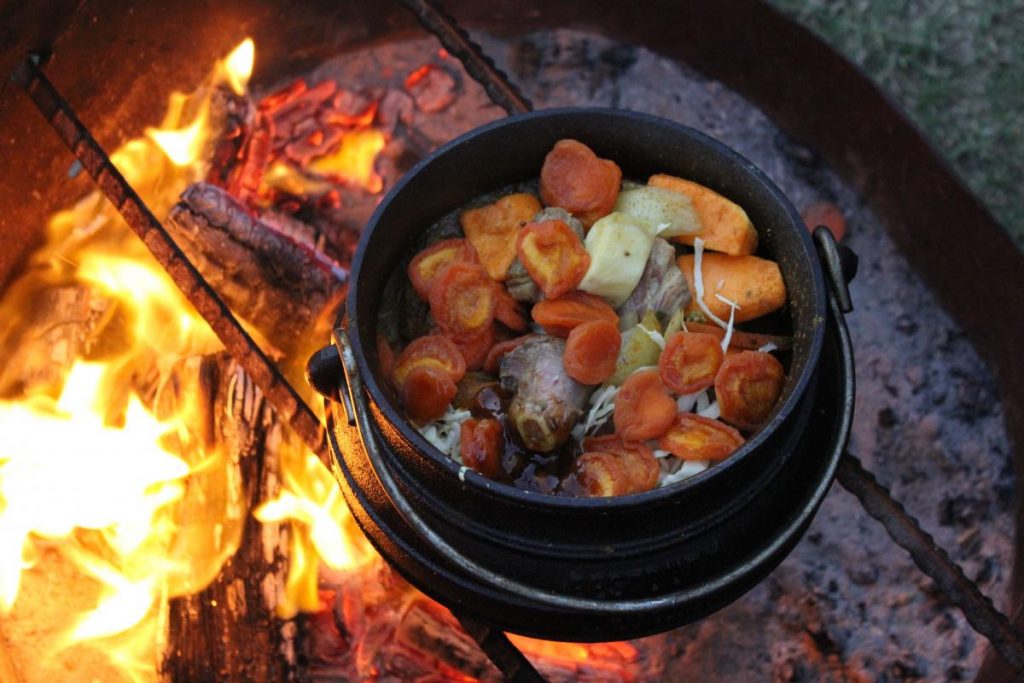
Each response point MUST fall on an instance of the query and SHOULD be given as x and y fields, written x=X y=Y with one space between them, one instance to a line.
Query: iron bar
x=509 y=659
x=933 y=561
x=264 y=373
x=477 y=64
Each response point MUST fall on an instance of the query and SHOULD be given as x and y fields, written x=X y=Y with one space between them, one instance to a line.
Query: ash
x=848 y=604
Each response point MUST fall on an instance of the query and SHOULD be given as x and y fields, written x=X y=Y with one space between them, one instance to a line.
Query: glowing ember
x=353 y=161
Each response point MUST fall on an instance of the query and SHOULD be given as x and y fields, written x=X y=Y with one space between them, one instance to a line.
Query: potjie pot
x=588 y=569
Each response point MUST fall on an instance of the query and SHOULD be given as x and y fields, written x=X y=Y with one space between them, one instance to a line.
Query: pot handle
x=840 y=264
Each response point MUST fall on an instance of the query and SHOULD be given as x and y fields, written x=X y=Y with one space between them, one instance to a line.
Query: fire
x=238 y=66
x=92 y=472
x=98 y=465
x=321 y=529
x=354 y=159
x=184 y=144
x=614 y=656
x=58 y=455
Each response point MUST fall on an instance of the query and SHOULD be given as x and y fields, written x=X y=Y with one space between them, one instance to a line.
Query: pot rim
x=780 y=413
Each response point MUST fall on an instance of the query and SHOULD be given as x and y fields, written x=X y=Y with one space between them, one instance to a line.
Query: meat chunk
x=518 y=281
x=546 y=402
x=662 y=288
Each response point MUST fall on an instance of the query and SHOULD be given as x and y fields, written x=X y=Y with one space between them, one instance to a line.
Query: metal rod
x=509 y=659
x=933 y=561
x=477 y=64
x=264 y=373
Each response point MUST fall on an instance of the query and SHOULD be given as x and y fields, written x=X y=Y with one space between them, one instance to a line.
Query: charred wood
x=231 y=152
x=280 y=286
x=229 y=631
x=59 y=325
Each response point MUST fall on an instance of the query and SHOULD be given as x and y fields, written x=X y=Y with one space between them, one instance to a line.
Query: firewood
x=427 y=628
x=230 y=625
x=233 y=120
x=267 y=278
x=58 y=325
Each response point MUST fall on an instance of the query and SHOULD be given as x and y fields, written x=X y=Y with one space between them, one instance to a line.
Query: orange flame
x=87 y=471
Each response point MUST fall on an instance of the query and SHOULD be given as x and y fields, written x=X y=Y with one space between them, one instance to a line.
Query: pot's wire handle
x=840 y=263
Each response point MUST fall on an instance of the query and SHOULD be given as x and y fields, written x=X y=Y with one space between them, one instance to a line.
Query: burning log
x=232 y=151
x=39 y=347
x=268 y=278
x=230 y=626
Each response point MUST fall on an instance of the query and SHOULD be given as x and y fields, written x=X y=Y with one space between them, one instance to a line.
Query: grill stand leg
x=511 y=662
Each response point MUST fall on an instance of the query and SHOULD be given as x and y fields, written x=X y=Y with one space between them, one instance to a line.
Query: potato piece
x=754 y=283
x=725 y=226
x=492 y=230
x=638 y=350
x=618 y=246
x=657 y=206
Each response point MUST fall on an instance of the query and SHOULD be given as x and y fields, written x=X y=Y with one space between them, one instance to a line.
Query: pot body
x=710 y=537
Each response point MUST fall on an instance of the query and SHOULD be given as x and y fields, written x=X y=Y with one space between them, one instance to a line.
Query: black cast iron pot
x=587 y=569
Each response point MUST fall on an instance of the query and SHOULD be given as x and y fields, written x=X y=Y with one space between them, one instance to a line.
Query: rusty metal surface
x=206 y=301
x=933 y=561
x=477 y=64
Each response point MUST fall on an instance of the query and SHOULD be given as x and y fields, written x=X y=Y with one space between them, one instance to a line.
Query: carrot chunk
x=741 y=340
x=591 y=351
x=426 y=393
x=434 y=352
x=463 y=299
x=690 y=362
x=559 y=316
x=747 y=387
x=475 y=346
x=508 y=311
x=481 y=445
x=754 y=284
x=428 y=264
x=643 y=409
x=492 y=230
x=575 y=179
x=692 y=437
x=636 y=459
x=724 y=224
x=601 y=475
x=553 y=256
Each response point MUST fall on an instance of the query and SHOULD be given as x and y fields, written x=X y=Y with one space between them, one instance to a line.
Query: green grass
x=957 y=68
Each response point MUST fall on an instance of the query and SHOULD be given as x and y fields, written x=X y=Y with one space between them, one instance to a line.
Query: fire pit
x=418 y=99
